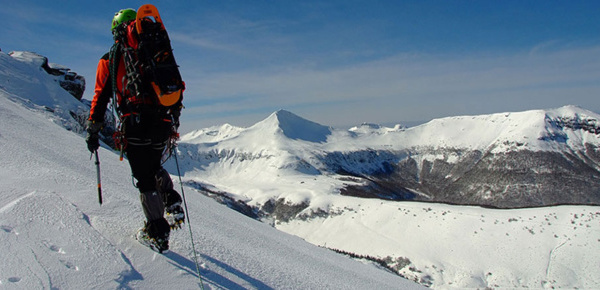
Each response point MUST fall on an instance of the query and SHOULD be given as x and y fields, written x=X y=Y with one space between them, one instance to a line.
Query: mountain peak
x=294 y=127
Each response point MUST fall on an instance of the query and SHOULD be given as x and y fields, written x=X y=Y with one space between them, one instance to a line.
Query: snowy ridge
x=368 y=128
x=23 y=79
x=536 y=130
x=273 y=150
x=530 y=130
x=211 y=135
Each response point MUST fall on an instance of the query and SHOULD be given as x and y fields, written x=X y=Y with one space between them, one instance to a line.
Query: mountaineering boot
x=175 y=215
x=148 y=235
x=155 y=233
x=172 y=199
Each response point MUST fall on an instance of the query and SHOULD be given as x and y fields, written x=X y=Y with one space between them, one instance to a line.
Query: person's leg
x=144 y=160
x=143 y=168
x=164 y=184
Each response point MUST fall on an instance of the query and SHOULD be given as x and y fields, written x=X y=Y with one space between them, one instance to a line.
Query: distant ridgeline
x=507 y=160
x=557 y=164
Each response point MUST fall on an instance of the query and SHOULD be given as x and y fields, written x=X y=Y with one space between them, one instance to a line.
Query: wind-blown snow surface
x=55 y=235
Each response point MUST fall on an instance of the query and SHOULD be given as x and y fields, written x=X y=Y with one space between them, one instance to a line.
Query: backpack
x=152 y=74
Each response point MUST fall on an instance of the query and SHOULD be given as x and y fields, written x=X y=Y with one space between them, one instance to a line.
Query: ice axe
x=98 y=175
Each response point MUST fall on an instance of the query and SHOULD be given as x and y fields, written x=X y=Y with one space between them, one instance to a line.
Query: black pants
x=147 y=135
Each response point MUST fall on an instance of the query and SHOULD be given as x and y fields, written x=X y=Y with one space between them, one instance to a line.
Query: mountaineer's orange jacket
x=103 y=89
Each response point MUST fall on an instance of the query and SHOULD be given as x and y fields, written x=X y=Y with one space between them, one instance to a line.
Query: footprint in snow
x=57 y=249
x=53 y=248
x=7 y=229
x=69 y=265
x=14 y=279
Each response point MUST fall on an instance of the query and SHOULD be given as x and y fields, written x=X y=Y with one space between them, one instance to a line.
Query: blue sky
x=341 y=63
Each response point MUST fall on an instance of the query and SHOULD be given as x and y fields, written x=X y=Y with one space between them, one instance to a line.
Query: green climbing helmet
x=123 y=16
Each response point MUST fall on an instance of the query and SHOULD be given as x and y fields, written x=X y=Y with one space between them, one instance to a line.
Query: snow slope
x=467 y=247
x=55 y=235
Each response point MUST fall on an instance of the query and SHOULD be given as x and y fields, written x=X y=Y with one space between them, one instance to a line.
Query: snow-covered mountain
x=299 y=177
x=309 y=187
x=508 y=160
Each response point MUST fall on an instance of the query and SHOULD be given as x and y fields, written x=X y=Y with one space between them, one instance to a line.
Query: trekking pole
x=98 y=175
x=188 y=221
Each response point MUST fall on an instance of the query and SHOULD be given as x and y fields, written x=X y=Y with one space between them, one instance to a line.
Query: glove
x=92 y=142
x=93 y=136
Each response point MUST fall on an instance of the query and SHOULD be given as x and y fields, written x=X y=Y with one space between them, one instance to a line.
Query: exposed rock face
x=68 y=80
x=557 y=162
x=507 y=180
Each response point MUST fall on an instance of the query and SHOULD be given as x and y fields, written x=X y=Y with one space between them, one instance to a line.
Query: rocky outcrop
x=67 y=79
